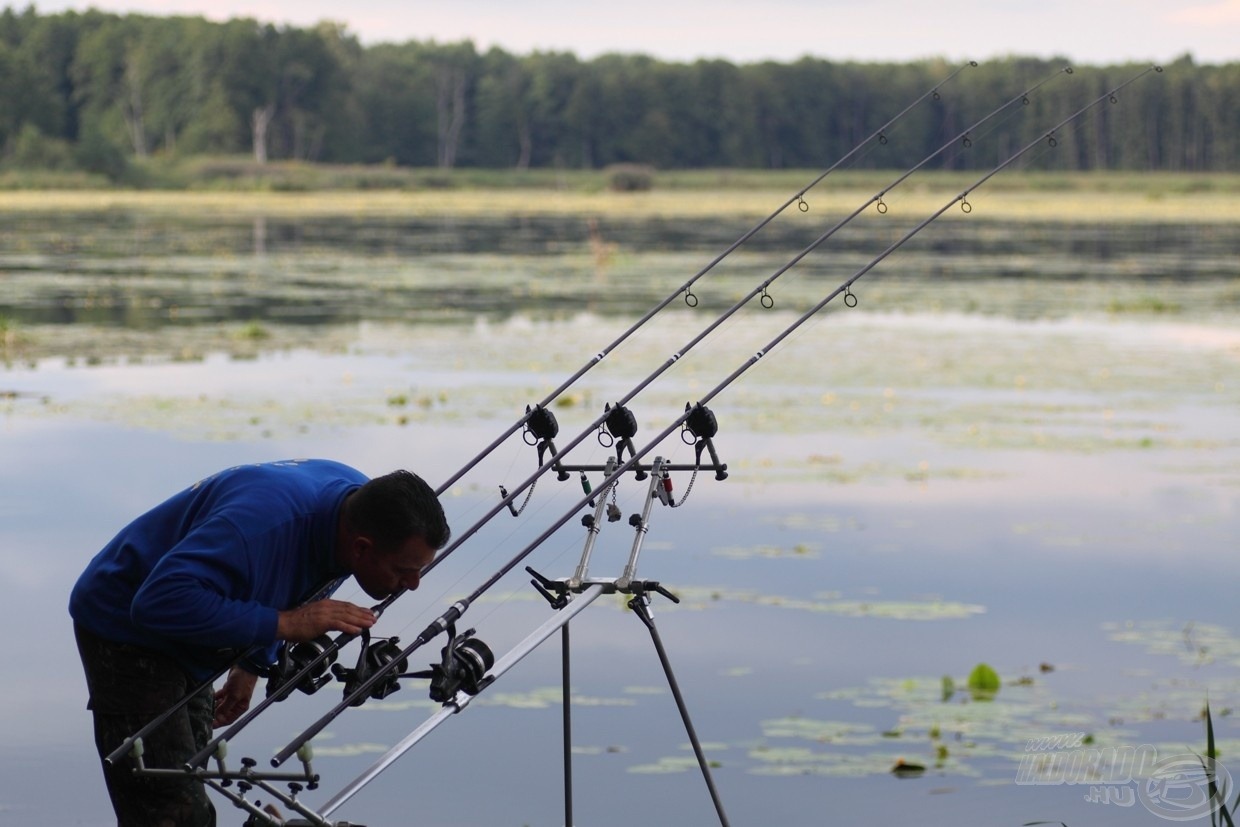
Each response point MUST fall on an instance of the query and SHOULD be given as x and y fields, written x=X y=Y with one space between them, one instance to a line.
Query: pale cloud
x=1210 y=14
x=1097 y=32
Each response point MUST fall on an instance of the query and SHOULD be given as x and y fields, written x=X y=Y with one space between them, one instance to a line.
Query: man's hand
x=320 y=617
x=233 y=698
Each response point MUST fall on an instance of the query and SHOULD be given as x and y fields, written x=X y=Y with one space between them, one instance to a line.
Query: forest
x=99 y=92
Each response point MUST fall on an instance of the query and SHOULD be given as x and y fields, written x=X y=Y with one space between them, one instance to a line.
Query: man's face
x=383 y=573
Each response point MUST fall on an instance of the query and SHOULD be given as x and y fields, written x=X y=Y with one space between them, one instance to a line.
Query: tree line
x=94 y=90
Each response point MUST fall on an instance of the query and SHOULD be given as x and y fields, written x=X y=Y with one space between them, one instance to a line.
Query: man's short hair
x=394 y=507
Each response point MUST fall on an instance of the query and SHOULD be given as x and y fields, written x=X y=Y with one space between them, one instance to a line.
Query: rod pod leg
x=639 y=606
x=568 y=728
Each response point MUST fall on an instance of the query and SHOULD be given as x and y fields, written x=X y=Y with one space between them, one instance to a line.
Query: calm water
x=1020 y=449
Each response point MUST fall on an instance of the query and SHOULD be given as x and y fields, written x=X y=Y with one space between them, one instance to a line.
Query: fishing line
x=570 y=544
x=454 y=613
x=507 y=500
x=642 y=385
x=981 y=134
x=685 y=290
x=476 y=561
x=497 y=543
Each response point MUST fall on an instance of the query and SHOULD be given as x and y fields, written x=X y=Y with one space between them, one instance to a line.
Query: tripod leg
x=568 y=729
x=639 y=607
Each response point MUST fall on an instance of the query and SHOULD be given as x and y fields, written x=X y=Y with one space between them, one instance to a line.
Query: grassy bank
x=1104 y=200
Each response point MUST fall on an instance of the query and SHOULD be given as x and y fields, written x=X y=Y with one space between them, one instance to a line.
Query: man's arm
x=199 y=592
x=233 y=698
x=320 y=617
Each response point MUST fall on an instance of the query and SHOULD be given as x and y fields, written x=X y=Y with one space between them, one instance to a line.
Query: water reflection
x=137 y=271
x=910 y=496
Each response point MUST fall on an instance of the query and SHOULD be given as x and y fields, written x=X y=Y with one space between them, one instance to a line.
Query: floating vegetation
x=1192 y=643
x=814 y=523
x=983 y=682
x=826 y=732
x=545 y=698
x=703 y=597
x=707 y=746
x=737 y=672
x=666 y=765
x=792 y=761
x=539 y=698
x=954 y=731
x=611 y=749
x=1033 y=360
x=800 y=551
x=908 y=769
x=14 y=341
x=1144 y=304
x=645 y=690
x=700 y=597
x=349 y=750
x=402 y=705
x=971 y=394
x=252 y=332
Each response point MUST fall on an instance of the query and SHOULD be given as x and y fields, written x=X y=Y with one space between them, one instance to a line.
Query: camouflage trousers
x=129 y=686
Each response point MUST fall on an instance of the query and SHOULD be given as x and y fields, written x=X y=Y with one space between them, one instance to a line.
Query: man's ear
x=360 y=546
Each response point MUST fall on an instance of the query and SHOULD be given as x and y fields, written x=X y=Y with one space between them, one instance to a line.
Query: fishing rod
x=539 y=409
x=797 y=198
x=760 y=289
x=509 y=497
x=687 y=288
x=448 y=619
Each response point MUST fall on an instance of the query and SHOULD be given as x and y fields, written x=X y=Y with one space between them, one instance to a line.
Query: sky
x=1086 y=32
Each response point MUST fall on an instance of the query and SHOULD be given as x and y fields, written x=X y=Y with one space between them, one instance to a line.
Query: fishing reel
x=619 y=428
x=699 y=428
x=464 y=666
x=373 y=657
x=541 y=427
x=296 y=657
x=540 y=423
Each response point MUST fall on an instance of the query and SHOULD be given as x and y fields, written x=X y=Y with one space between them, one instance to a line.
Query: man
x=234 y=564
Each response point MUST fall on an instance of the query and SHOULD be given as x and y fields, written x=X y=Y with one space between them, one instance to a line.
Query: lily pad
x=984 y=682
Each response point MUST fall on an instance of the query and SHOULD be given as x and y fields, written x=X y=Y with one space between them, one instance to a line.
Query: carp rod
x=687 y=288
x=797 y=198
x=448 y=619
x=760 y=289
x=539 y=408
x=509 y=497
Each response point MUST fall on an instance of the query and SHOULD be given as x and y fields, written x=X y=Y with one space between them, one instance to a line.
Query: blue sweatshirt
x=203 y=576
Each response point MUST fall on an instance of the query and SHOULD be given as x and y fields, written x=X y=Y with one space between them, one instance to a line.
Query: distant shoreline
x=1032 y=196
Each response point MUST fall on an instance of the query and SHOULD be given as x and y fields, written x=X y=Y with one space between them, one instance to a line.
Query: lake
x=1021 y=449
